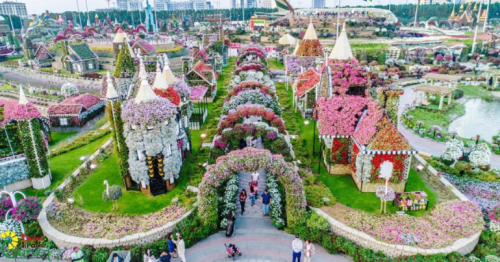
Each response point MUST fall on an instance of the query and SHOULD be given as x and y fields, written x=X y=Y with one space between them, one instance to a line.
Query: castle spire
x=167 y=73
x=145 y=92
x=342 y=49
x=111 y=91
x=22 y=97
x=160 y=80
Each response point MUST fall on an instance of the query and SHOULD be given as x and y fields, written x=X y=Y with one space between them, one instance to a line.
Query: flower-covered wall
x=35 y=147
x=13 y=171
x=143 y=142
x=114 y=109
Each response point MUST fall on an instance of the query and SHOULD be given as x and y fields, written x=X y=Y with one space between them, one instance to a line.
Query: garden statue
x=476 y=152
x=385 y=193
x=112 y=193
x=60 y=20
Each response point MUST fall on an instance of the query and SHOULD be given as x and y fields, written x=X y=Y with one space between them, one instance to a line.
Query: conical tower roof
x=145 y=92
x=296 y=50
x=167 y=74
x=452 y=16
x=111 y=91
x=310 y=32
x=342 y=49
x=160 y=81
x=120 y=36
x=22 y=97
x=287 y=39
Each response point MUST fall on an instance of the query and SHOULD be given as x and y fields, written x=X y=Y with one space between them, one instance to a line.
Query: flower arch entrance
x=245 y=160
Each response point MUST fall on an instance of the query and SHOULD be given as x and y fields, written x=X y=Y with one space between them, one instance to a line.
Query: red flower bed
x=169 y=94
x=355 y=152
x=310 y=47
x=388 y=138
x=398 y=162
x=340 y=151
x=234 y=118
x=306 y=81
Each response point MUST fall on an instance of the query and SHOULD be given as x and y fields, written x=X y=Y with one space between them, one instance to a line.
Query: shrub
x=462 y=165
x=316 y=193
x=100 y=255
x=27 y=209
x=5 y=205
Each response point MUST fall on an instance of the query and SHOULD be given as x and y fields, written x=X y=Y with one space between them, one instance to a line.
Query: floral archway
x=251 y=97
x=267 y=114
x=250 y=85
x=250 y=159
x=271 y=139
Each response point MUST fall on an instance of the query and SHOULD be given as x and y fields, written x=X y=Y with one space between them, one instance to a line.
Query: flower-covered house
x=202 y=74
x=151 y=132
x=143 y=48
x=359 y=137
x=74 y=112
x=305 y=88
x=43 y=57
x=307 y=53
x=80 y=59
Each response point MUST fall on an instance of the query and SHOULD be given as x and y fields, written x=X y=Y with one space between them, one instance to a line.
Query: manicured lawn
x=347 y=193
x=131 y=202
x=431 y=118
x=275 y=64
x=476 y=91
x=59 y=137
x=63 y=165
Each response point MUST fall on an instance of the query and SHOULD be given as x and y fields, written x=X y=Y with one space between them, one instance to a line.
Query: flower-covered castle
x=356 y=130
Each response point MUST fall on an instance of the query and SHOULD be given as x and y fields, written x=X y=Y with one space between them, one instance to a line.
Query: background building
x=162 y=5
x=430 y=2
x=251 y=4
x=318 y=3
x=13 y=8
x=129 y=5
x=266 y=3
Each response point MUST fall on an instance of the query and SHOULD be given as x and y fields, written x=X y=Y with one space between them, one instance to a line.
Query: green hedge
x=79 y=142
x=36 y=153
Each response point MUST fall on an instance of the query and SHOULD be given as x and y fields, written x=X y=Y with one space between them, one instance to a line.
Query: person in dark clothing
x=243 y=143
x=117 y=258
x=243 y=198
x=230 y=224
x=171 y=245
x=165 y=257
x=266 y=201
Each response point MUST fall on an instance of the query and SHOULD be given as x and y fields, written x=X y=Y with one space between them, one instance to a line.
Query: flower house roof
x=146 y=47
x=306 y=81
x=368 y=123
x=85 y=100
x=310 y=33
x=120 y=36
x=204 y=71
x=342 y=49
x=65 y=109
x=82 y=52
x=388 y=138
x=338 y=116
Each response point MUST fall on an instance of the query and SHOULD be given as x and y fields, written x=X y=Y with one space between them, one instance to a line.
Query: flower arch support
x=234 y=118
x=250 y=159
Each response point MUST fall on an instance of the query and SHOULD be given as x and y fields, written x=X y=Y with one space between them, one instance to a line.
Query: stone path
x=257 y=239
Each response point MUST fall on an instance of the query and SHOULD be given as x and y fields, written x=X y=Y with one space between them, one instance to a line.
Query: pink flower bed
x=198 y=92
x=233 y=118
x=335 y=122
x=347 y=74
x=368 y=125
x=448 y=222
x=86 y=100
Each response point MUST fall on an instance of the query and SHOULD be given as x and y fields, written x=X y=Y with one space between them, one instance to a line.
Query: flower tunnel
x=250 y=159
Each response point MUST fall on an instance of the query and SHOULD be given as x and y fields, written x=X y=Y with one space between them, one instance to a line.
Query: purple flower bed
x=149 y=113
x=485 y=194
x=182 y=88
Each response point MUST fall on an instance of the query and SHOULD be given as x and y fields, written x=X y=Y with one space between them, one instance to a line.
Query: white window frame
x=63 y=121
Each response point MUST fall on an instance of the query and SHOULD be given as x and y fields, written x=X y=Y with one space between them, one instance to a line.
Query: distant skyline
x=57 y=6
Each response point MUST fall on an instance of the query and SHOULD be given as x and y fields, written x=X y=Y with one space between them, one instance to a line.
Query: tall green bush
x=124 y=64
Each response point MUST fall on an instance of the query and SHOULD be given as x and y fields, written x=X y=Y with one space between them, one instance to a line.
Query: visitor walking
x=147 y=255
x=309 y=251
x=243 y=199
x=297 y=247
x=172 y=249
x=255 y=182
x=230 y=224
x=77 y=255
x=252 y=193
x=181 y=247
x=266 y=201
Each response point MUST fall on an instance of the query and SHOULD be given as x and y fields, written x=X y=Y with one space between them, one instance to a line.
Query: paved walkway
x=257 y=239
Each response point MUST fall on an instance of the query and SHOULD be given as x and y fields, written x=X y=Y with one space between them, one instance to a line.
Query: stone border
x=63 y=240
x=462 y=246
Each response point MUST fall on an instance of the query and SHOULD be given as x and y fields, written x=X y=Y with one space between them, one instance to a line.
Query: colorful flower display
x=305 y=82
x=12 y=110
x=252 y=97
x=198 y=92
x=182 y=88
x=347 y=74
x=267 y=114
x=149 y=113
x=169 y=94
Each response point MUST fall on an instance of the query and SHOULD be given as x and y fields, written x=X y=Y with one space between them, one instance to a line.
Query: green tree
x=124 y=64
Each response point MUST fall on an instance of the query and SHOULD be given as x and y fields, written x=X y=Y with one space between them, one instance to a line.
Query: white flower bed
x=229 y=199
x=275 y=209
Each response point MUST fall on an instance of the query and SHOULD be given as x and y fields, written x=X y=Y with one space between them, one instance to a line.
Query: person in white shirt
x=255 y=182
x=297 y=247
x=308 y=251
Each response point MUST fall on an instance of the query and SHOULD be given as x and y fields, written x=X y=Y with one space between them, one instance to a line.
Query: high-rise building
x=162 y=5
x=265 y=4
x=251 y=4
x=13 y=8
x=430 y=2
x=129 y=5
x=318 y=3
x=234 y=4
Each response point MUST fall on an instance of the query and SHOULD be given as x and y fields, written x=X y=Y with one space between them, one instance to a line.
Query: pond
x=481 y=118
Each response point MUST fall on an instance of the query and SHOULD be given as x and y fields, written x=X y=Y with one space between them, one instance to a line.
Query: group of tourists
x=253 y=188
x=175 y=249
x=298 y=247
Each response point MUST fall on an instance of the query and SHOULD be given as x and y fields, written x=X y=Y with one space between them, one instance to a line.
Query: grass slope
x=59 y=137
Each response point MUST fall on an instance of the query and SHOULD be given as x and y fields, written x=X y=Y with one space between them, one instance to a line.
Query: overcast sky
x=39 y=6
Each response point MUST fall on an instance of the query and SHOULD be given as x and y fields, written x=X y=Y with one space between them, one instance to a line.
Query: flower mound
x=148 y=113
x=447 y=223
